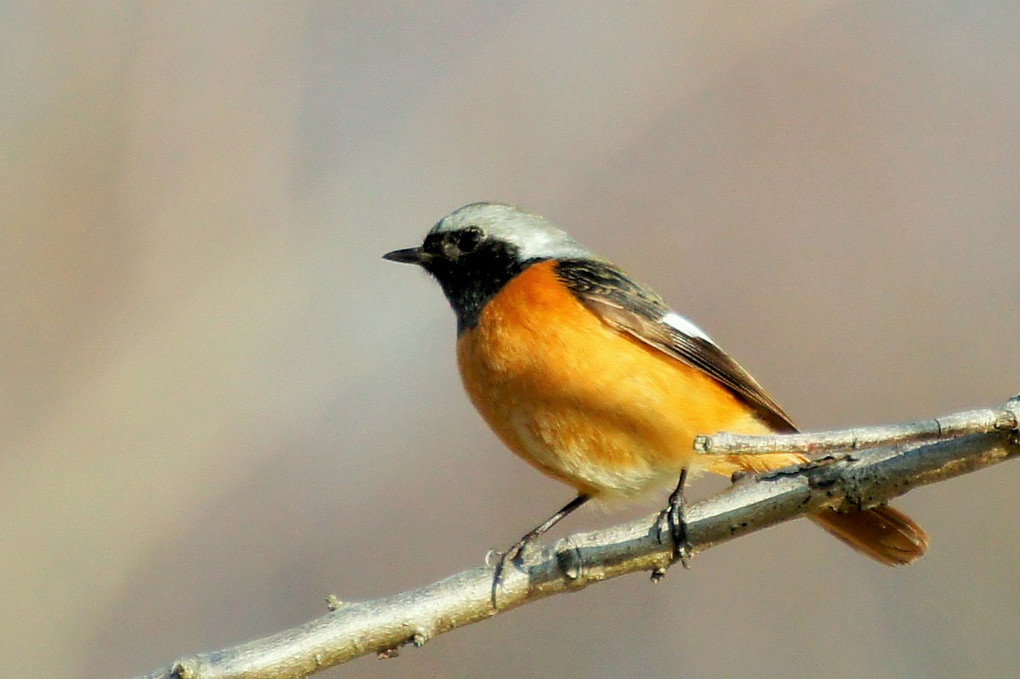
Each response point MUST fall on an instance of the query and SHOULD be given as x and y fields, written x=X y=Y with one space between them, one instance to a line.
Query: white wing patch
x=681 y=324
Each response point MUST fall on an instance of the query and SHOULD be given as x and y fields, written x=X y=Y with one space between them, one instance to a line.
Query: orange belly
x=589 y=405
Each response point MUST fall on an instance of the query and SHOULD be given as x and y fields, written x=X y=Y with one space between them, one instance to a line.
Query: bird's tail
x=885 y=534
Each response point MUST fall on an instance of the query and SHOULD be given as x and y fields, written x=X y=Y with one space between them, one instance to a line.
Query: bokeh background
x=219 y=405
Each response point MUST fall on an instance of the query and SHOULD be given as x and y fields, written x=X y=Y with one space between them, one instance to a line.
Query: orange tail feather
x=885 y=534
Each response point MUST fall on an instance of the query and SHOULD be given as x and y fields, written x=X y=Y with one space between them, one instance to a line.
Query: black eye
x=469 y=238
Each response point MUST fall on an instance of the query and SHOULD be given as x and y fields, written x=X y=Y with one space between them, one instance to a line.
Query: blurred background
x=218 y=404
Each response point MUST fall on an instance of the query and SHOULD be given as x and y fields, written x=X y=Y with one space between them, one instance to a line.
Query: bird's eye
x=469 y=238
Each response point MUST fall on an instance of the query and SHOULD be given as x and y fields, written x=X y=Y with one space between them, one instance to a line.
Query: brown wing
x=640 y=312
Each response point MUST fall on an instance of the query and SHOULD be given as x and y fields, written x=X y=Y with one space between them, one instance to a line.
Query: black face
x=471 y=268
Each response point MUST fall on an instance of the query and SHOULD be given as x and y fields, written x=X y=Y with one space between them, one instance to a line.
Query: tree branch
x=846 y=480
x=941 y=428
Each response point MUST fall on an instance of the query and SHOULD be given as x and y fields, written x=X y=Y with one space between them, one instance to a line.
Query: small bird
x=591 y=378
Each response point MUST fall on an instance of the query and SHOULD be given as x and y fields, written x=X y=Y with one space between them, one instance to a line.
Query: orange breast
x=587 y=404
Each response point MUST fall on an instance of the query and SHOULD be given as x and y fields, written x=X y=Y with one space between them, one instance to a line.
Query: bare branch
x=848 y=480
x=953 y=426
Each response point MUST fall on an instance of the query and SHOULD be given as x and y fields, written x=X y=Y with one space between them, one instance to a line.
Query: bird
x=590 y=377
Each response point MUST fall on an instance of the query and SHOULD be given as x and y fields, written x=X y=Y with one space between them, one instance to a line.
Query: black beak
x=406 y=256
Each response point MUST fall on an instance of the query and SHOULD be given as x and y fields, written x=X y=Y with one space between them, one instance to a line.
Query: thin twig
x=953 y=426
x=853 y=480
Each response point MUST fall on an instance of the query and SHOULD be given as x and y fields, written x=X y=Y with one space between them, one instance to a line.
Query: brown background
x=218 y=405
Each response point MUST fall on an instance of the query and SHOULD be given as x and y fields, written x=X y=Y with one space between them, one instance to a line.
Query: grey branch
x=940 y=428
x=847 y=480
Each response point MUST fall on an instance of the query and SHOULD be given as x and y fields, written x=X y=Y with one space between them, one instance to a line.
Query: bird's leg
x=513 y=555
x=672 y=519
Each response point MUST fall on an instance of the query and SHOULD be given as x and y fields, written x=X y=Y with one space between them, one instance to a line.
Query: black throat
x=471 y=279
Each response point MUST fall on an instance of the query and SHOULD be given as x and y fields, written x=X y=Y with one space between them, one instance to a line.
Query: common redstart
x=591 y=378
